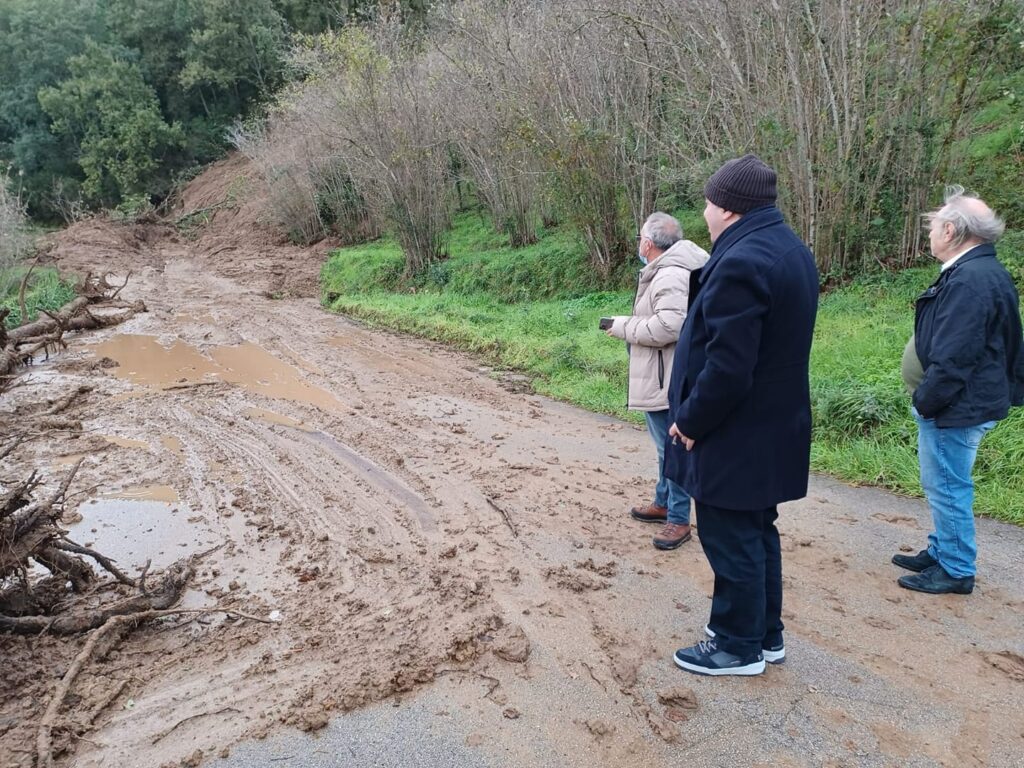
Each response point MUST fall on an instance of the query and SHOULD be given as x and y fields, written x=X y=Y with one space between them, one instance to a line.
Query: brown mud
x=350 y=488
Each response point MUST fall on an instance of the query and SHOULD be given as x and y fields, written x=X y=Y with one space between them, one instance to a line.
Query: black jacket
x=739 y=382
x=967 y=332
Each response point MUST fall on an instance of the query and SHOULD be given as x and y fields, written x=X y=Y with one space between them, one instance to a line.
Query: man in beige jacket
x=651 y=333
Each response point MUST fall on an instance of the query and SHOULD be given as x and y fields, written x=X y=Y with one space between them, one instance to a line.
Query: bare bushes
x=850 y=101
x=596 y=112
x=15 y=238
x=359 y=143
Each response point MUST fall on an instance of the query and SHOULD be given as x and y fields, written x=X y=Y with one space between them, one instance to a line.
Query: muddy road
x=449 y=564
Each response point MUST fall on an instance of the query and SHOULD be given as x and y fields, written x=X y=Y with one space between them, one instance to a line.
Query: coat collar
x=977 y=252
x=759 y=218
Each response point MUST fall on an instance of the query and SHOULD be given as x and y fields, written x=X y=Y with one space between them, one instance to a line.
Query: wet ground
x=455 y=574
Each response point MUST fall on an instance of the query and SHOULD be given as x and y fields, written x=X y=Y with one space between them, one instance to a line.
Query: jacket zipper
x=636 y=292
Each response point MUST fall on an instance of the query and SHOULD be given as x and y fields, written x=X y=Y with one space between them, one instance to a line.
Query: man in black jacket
x=964 y=366
x=741 y=411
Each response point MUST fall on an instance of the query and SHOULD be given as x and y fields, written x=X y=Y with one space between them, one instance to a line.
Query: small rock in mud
x=600 y=727
x=312 y=721
x=607 y=570
x=574 y=580
x=512 y=644
x=449 y=552
x=511 y=713
x=678 y=696
x=1009 y=663
x=676 y=715
x=193 y=760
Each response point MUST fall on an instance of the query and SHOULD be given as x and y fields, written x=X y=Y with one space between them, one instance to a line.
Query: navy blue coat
x=739 y=384
x=967 y=332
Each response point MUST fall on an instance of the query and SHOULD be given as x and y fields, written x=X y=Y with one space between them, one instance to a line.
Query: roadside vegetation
x=535 y=310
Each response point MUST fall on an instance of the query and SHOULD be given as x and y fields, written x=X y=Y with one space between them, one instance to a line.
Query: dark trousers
x=743 y=549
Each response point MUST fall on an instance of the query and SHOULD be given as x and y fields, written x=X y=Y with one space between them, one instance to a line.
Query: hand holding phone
x=605 y=323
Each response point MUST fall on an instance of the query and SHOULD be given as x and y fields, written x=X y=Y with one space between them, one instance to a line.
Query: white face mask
x=643 y=259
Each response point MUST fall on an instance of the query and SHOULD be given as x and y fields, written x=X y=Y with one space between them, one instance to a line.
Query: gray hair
x=662 y=230
x=971 y=218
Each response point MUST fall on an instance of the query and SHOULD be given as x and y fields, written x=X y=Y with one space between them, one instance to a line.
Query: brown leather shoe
x=672 y=535
x=652 y=513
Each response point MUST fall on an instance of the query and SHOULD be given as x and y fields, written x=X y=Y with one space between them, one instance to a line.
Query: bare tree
x=15 y=238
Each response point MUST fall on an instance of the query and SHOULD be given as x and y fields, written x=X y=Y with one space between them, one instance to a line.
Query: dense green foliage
x=105 y=98
x=535 y=310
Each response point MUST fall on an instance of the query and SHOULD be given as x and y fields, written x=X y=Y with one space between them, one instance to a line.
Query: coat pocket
x=661 y=369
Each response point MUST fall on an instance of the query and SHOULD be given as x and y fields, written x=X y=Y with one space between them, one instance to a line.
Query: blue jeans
x=668 y=493
x=946 y=456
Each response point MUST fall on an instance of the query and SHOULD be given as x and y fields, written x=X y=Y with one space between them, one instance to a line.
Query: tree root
x=19 y=345
x=159 y=597
x=114 y=627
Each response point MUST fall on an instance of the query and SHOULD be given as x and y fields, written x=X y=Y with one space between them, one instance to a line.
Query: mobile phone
x=604 y=323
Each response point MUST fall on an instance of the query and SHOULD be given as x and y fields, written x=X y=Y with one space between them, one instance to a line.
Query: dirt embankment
x=402 y=519
x=220 y=221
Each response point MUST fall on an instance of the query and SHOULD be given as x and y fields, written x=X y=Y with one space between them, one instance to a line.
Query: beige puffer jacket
x=652 y=330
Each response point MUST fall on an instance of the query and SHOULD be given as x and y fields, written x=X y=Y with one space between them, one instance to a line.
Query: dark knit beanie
x=742 y=185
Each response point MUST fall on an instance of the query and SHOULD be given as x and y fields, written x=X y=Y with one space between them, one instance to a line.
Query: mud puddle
x=146 y=526
x=144 y=361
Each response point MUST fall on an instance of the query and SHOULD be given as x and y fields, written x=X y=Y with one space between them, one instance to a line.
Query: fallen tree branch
x=504 y=516
x=44 y=737
x=164 y=734
x=10 y=447
x=108 y=565
x=21 y=289
x=67 y=400
x=121 y=288
x=106 y=701
x=166 y=594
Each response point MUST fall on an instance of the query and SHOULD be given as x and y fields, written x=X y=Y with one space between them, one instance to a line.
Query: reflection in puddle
x=130 y=532
x=143 y=360
x=162 y=493
x=276 y=418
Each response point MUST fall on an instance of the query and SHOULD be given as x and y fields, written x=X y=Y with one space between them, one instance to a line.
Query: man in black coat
x=739 y=394
x=964 y=367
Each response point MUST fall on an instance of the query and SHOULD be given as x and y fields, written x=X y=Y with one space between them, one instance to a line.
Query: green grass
x=535 y=310
x=863 y=430
x=45 y=290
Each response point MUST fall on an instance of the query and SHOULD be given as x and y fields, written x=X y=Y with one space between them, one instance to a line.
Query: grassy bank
x=536 y=309
x=45 y=290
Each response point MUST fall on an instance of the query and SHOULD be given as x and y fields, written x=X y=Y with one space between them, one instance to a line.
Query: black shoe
x=935 y=581
x=917 y=562
x=706 y=658
x=773 y=655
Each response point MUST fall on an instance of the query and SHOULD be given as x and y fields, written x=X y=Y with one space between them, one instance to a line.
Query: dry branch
x=18 y=346
x=44 y=747
x=504 y=516
x=107 y=563
x=165 y=594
